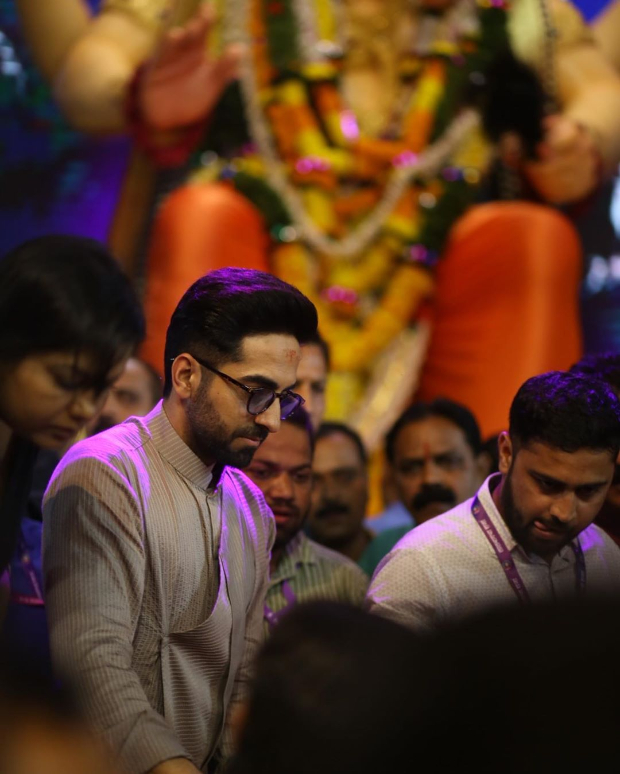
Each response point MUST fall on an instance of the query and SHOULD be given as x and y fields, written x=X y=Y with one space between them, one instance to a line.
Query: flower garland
x=357 y=221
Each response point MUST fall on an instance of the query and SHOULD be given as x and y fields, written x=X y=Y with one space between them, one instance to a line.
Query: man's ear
x=506 y=452
x=185 y=376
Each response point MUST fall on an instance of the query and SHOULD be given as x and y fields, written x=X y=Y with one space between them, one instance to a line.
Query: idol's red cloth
x=506 y=305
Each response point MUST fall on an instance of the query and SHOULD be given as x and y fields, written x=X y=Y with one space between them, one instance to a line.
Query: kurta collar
x=173 y=449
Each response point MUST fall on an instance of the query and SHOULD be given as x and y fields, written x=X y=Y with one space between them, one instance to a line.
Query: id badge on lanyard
x=507 y=562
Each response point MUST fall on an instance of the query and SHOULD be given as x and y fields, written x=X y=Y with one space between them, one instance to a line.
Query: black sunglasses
x=260 y=398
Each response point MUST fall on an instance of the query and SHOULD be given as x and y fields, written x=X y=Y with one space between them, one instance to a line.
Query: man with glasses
x=156 y=551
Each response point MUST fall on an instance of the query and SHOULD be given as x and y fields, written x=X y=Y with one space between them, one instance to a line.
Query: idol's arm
x=606 y=30
x=589 y=90
x=51 y=29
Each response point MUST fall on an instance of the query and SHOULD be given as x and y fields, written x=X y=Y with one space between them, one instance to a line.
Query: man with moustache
x=527 y=536
x=156 y=552
x=435 y=461
x=340 y=497
x=301 y=570
x=340 y=492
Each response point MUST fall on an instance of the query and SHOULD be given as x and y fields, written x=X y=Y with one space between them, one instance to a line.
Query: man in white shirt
x=527 y=535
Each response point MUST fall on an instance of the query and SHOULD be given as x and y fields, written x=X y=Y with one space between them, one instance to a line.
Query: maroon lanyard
x=507 y=562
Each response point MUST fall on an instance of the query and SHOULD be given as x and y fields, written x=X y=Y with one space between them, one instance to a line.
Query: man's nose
x=564 y=508
x=282 y=487
x=270 y=418
x=431 y=472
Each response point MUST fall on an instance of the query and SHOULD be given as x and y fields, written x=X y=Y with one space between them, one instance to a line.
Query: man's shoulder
x=235 y=481
x=245 y=497
x=451 y=528
x=113 y=449
x=595 y=541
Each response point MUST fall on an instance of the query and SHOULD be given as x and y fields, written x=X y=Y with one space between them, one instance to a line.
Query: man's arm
x=51 y=29
x=406 y=589
x=94 y=569
x=176 y=766
x=583 y=138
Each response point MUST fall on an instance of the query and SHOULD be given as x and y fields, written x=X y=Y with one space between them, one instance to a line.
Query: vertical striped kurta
x=155 y=581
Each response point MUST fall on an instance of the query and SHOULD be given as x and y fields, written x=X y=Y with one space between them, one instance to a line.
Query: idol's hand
x=181 y=83
x=569 y=165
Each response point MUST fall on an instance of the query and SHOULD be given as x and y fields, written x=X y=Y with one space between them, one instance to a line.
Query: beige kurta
x=155 y=583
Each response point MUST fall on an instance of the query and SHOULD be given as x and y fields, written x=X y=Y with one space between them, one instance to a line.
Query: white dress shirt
x=446 y=569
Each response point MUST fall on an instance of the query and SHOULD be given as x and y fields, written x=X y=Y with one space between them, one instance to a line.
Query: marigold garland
x=366 y=300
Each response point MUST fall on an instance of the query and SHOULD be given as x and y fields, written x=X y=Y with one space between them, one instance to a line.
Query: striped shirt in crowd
x=309 y=571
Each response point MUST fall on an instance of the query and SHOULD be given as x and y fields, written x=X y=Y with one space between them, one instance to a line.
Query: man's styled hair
x=334 y=692
x=300 y=418
x=603 y=365
x=335 y=428
x=567 y=412
x=67 y=293
x=454 y=412
x=220 y=309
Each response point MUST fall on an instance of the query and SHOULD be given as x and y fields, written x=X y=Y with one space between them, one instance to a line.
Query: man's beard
x=511 y=514
x=211 y=439
x=522 y=530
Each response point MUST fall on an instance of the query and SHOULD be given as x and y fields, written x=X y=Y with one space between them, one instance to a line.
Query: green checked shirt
x=309 y=571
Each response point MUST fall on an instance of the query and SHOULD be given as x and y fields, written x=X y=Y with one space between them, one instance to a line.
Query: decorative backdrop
x=53 y=180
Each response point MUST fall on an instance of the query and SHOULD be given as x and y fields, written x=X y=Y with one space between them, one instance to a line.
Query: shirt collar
x=297 y=552
x=488 y=503
x=175 y=451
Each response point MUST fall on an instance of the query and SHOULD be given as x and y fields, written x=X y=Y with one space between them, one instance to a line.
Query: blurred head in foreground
x=333 y=694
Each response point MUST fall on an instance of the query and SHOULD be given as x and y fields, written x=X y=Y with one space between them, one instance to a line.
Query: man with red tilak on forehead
x=333 y=146
x=527 y=535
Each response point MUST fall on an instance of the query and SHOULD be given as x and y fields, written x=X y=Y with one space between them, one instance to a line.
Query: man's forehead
x=280 y=345
x=579 y=466
x=312 y=364
x=429 y=435
x=288 y=448
x=336 y=451
x=274 y=356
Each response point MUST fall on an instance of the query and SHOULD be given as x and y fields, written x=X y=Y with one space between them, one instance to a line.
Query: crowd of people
x=205 y=515
x=195 y=576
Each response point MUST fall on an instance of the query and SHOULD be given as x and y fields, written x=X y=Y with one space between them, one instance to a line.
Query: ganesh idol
x=336 y=143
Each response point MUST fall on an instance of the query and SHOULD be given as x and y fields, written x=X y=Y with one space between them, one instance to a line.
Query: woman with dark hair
x=69 y=319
